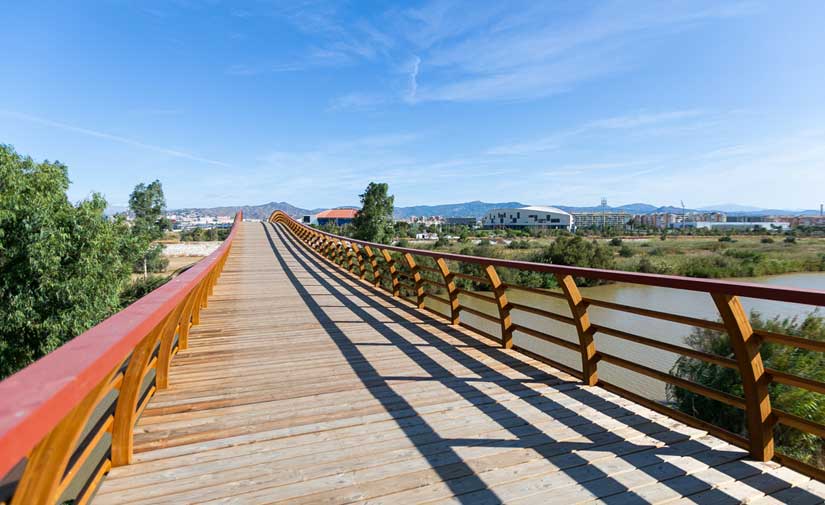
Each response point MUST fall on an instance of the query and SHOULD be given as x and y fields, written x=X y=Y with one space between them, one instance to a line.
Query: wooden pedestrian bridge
x=294 y=366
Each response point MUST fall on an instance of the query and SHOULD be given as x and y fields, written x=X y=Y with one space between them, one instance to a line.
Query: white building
x=528 y=217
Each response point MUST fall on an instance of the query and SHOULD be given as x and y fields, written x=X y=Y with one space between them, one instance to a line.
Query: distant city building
x=808 y=221
x=528 y=217
x=663 y=220
x=751 y=225
x=195 y=220
x=338 y=217
x=461 y=221
x=424 y=220
x=610 y=219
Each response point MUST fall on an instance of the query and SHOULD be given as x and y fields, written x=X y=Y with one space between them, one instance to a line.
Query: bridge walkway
x=304 y=385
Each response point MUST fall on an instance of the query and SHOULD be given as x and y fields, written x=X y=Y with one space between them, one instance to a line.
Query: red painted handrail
x=36 y=398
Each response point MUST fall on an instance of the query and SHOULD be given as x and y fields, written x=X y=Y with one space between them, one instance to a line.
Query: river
x=669 y=300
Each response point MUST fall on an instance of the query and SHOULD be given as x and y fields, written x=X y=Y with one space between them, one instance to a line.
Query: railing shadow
x=650 y=458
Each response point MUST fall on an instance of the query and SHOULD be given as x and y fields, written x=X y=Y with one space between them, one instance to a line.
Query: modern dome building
x=534 y=216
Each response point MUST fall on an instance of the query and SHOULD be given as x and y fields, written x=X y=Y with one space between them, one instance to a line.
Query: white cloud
x=114 y=138
x=626 y=122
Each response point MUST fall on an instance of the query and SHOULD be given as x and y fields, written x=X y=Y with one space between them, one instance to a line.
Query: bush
x=790 y=239
x=726 y=238
x=646 y=266
x=806 y=404
x=441 y=242
x=616 y=241
x=140 y=287
x=519 y=244
x=576 y=251
x=625 y=252
x=767 y=240
x=402 y=242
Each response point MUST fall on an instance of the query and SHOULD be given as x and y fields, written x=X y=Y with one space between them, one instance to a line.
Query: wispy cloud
x=114 y=138
x=626 y=122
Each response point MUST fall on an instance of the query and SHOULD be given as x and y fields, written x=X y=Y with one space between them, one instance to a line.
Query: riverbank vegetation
x=691 y=256
x=797 y=361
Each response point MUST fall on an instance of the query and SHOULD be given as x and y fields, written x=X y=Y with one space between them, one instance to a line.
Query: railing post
x=452 y=292
x=328 y=246
x=350 y=262
x=362 y=272
x=395 y=287
x=127 y=401
x=167 y=340
x=416 y=276
x=339 y=253
x=587 y=346
x=499 y=291
x=376 y=273
x=755 y=381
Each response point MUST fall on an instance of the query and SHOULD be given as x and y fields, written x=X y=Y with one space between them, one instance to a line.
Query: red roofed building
x=337 y=217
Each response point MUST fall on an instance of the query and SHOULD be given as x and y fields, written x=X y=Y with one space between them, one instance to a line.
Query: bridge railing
x=68 y=418
x=420 y=275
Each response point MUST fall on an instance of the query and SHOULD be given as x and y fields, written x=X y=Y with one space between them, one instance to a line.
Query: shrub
x=767 y=240
x=726 y=238
x=801 y=362
x=625 y=252
x=442 y=242
x=402 y=242
x=790 y=239
x=616 y=241
x=519 y=244
x=576 y=251
x=141 y=287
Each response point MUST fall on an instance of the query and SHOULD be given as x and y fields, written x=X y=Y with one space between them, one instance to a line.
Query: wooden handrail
x=46 y=405
x=746 y=341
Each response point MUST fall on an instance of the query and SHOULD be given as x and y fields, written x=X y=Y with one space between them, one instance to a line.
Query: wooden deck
x=302 y=385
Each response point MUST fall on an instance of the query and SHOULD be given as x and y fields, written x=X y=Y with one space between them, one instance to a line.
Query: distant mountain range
x=478 y=209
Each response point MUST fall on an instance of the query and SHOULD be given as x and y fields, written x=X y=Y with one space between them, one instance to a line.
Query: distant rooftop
x=338 y=214
x=543 y=208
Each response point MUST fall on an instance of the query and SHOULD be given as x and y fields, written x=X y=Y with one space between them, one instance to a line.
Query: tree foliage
x=576 y=251
x=61 y=265
x=147 y=203
x=374 y=221
x=790 y=359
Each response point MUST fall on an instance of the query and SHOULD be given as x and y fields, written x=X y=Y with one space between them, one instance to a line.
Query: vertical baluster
x=499 y=292
x=452 y=291
x=755 y=381
x=415 y=272
x=395 y=287
x=587 y=346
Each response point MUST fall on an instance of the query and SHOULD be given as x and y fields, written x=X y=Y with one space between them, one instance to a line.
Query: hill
x=478 y=209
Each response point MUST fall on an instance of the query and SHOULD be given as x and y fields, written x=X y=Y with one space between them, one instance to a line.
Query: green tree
x=374 y=221
x=790 y=359
x=61 y=265
x=576 y=251
x=147 y=203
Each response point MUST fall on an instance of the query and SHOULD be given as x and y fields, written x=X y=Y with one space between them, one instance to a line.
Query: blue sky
x=541 y=102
